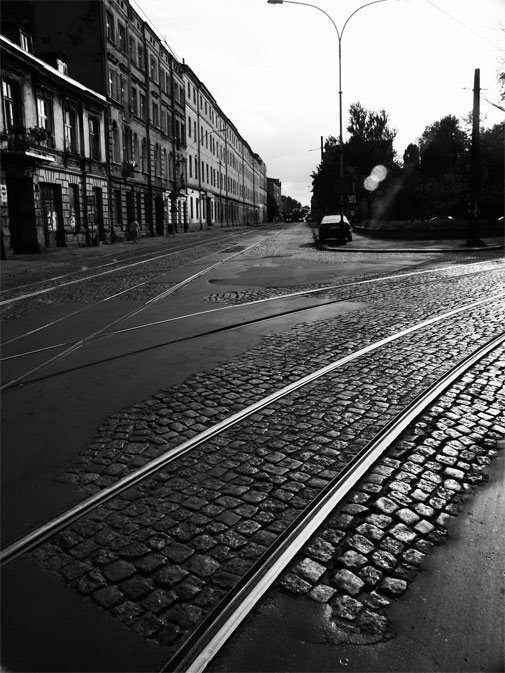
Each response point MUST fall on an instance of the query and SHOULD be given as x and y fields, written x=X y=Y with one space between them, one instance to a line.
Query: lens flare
x=370 y=183
x=379 y=173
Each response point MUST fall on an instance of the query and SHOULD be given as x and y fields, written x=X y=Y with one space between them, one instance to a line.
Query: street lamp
x=339 y=35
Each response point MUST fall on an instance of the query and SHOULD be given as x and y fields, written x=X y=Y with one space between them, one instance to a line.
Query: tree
x=492 y=149
x=290 y=208
x=370 y=143
x=442 y=146
x=444 y=152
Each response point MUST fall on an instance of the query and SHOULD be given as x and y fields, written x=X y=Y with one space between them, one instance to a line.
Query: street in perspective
x=253 y=405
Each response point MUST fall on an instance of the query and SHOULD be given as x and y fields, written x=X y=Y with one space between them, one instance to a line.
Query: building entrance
x=54 y=230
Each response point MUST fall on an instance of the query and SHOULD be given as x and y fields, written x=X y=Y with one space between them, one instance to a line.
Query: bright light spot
x=370 y=183
x=379 y=173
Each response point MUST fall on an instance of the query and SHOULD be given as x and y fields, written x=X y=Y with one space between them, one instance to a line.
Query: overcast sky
x=273 y=69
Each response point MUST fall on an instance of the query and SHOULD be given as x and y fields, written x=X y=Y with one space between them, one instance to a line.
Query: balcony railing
x=21 y=139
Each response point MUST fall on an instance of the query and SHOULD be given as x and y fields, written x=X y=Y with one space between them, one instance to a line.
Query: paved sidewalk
x=362 y=243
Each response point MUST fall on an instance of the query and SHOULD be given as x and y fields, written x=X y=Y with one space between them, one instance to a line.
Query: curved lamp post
x=339 y=34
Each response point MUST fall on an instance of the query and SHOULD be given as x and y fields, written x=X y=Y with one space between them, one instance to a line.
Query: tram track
x=99 y=335
x=36 y=537
x=205 y=642
x=81 y=342
x=202 y=643
x=135 y=261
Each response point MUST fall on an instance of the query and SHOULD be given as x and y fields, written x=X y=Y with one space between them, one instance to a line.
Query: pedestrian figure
x=134 y=231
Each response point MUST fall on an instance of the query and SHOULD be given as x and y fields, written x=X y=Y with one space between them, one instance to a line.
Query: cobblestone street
x=160 y=556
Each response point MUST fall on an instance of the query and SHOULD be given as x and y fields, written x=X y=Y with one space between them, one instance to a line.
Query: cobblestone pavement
x=161 y=555
x=95 y=290
x=374 y=545
x=139 y=434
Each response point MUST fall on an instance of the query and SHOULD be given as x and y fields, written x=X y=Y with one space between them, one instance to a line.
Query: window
x=74 y=207
x=94 y=138
x=45 y=115
x=153 y=68
x=190 y=166
x=113 y=84
x=156 y=114
x=121 y=36
x=127 y=144
x=70 y=131
x=167 y=82
x=26 y=41
x=133 y=51
x=109 y=20
x=189 y=126
x=140 y=53
x=11 y=99
x=136 y=149
x=142 y=111
x=143 y=156
x=163 y=79
x=134 y=101
x=122 y=89
x=118 y=206
x=116 y=149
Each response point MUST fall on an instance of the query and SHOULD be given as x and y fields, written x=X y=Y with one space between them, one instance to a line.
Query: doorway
x=50 y=200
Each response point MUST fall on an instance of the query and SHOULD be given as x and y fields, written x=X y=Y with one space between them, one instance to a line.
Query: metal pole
x=340 y=138
x=473 y=215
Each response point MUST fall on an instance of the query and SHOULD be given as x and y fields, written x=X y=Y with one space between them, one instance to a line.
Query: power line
x=151 y=25
x=464 y=25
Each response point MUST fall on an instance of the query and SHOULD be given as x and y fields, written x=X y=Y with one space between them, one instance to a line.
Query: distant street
x=116 y=357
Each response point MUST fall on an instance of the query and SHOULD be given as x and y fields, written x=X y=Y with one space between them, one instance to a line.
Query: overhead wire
x=464 y=25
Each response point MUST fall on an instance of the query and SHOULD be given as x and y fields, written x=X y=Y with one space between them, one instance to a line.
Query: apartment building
x=119 y=55
x=226 y=179
x=163 y=131
x=53 y=176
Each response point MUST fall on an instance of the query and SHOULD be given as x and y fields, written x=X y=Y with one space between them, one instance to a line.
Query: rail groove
x=39 y=535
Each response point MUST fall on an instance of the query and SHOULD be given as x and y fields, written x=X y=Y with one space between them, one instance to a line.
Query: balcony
x=21 y=139
x=23 y=149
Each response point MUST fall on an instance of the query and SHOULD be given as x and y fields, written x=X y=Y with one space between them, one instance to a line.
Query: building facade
x=226 y=179
x=53 y=178
x=171 y=158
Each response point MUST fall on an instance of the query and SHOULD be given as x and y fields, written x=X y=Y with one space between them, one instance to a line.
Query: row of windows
x=116 y=33
x=13 y=116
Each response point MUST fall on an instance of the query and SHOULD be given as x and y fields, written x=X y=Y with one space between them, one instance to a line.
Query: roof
x=5 y=42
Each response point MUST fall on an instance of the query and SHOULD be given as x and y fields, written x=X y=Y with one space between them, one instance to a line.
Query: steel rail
x=98 y=275
x=201 y=647
x=90 y=337
x=42 y=533
x=280 y=297
x=101 y=301
x=97 y=266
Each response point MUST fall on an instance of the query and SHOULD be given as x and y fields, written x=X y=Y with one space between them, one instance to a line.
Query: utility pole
x=473 y=209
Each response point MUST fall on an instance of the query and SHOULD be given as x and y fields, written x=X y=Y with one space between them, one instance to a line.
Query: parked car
x=335 y=228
